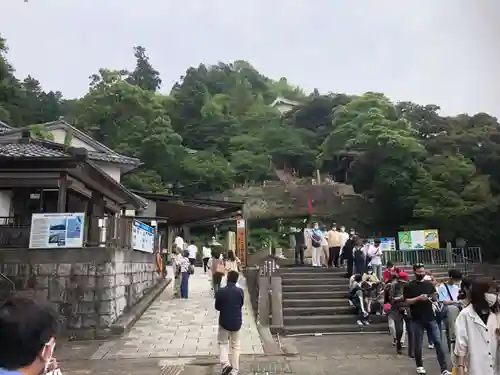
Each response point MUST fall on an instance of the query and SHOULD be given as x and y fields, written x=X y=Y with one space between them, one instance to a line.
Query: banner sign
x=241 y=242
x=57 y=230
x=419 y=239
x=143 y=237
x=386 y=243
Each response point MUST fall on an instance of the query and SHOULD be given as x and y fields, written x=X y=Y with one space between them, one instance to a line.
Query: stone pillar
x=186 y=232
x=263 y=313
x=277 y=322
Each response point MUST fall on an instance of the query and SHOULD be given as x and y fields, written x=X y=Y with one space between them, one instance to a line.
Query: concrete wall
x=89 y=287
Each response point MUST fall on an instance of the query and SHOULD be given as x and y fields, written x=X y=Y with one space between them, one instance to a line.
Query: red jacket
x=388 y=273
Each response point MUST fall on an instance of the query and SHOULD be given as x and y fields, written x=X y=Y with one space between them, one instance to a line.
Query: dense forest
x=216 y=129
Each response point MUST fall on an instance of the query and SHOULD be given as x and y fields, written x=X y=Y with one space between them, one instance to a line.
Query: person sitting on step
x=357 y=299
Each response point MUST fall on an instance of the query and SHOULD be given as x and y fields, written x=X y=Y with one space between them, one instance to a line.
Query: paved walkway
x=182 y=328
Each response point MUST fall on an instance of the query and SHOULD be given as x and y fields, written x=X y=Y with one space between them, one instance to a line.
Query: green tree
x=144 y=75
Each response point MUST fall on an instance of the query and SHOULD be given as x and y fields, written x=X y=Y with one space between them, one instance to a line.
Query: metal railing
x=436 y=257
x=13 y=233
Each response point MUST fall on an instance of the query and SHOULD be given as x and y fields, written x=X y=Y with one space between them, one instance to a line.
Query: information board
x=419 y=239
x=386 y=243
x=143 y=237
x=57 y=230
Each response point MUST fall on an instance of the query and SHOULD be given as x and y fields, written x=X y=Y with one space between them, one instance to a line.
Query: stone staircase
x=315 y=300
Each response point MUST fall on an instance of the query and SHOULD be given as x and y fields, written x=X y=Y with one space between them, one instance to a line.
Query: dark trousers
x=350 y=265
x=434 y=333
x=401 y=319
x=205 y=264
x=184 y=284
x=216 y=280
x=299 y=254
x=333 y=256
x=360 y=265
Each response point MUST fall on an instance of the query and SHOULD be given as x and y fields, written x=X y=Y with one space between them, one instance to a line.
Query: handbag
x=191 y=269
x=220 y=267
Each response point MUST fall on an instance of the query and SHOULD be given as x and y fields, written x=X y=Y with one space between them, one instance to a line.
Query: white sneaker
x=431 y=346
x=421 y=370
x=446 y=372
x=359 y=322
x=367 y=323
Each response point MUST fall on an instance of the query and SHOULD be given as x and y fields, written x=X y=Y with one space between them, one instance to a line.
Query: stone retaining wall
x=90 y=287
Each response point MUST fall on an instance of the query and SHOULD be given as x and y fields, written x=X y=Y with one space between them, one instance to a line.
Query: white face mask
x=352 y=233
x=334 y=228
x=491 y=298
x=342 y=229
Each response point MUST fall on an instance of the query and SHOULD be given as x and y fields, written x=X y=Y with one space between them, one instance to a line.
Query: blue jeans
x=439 y=322
x=434 y=334
x=184 y=284
x=377 y=270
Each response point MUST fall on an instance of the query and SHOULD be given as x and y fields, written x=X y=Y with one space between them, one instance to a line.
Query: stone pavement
x=340 y=355
x=181 y=328
x=177 y=337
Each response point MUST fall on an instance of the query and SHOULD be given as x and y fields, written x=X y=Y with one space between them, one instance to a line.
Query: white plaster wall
x=283 y=108
x=112 y=170
x=60 y=135
x=5 y=202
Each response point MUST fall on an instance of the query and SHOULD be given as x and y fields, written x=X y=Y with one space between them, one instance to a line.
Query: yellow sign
x=431 y=238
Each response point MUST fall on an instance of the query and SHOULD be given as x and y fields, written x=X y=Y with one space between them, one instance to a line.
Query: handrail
x=6 y=278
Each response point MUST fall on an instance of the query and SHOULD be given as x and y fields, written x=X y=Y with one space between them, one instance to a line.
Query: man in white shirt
x=193 y=251
x=207 y=254
x=375 y=254
x=179 y=243
x=344 y=236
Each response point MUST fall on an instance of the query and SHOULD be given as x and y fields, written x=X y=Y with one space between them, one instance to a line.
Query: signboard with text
x=57 y=230
x=241 y=242
x=419 y=239
x=143 y=237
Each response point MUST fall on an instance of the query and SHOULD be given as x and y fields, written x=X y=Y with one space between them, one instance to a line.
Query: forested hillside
x=216 y=129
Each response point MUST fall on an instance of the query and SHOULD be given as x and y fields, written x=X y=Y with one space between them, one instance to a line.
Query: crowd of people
x=461 y=316
x=229 y=297
x=213 y=259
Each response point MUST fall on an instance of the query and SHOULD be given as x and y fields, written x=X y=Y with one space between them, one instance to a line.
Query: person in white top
x=207 y=254
x=193 y=251
x=375 y=254
x=344 y=236
x=324 y=247
x=179 y=243
x=477 y=331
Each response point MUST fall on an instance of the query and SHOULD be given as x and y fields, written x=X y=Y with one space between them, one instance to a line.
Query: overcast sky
x=430 y=51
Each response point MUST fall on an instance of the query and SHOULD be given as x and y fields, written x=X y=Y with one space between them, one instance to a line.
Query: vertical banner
x=241 y=241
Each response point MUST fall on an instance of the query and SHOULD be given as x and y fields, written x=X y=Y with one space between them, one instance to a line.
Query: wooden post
x=62 y=196
x=264 y=300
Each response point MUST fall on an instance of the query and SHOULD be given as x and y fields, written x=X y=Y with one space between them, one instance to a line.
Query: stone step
x=335 y=329
x=314 y=288
x=319 y=310
x=312 y=275
x=340 y=281
x=306 y=302
x=309 y=269
x=328 y=319
x=316 y=294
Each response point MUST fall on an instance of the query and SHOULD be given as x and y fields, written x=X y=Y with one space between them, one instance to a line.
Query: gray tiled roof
x=112 y=158
x=29 y=150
